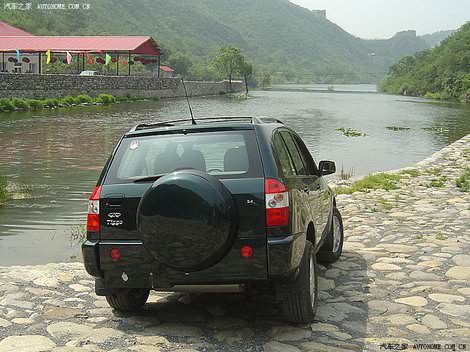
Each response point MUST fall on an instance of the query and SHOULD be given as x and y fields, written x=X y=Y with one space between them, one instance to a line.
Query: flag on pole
x=48 y=57
x=18 y=55
x=90 y=60
x=108 y=59
x=69 y=58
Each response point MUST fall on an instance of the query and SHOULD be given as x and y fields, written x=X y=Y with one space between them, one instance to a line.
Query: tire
x=331 y=250
x=300 y=302
x=183 y=212
x=128 y=300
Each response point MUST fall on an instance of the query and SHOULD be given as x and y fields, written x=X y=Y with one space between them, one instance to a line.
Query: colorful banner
x=69 y=58
x=123 y=62
x=18 y=55
x=108 y=59
x=48 y=57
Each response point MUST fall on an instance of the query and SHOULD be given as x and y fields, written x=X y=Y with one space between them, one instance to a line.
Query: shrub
x=6 y=105
x=83 y=99
x=68 y=100
x=20 y=104
x=105 y=99
x=35 y=104
x=51 y=103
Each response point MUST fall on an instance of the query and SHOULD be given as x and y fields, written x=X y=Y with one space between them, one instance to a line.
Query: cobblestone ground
x=404 y=278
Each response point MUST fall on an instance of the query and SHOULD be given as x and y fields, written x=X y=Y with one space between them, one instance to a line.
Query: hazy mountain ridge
x=280 y=37
x=436 y=38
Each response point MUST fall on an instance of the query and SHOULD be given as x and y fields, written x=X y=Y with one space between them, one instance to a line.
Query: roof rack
x=253 y=120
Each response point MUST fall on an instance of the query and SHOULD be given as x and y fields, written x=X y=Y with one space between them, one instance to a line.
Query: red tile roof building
x=9 y=30
x=33 y=49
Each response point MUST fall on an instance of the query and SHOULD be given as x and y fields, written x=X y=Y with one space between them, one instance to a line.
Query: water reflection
x=61 y=152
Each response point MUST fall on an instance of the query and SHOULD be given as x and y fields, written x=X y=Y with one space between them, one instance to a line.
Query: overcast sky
x=383 y=18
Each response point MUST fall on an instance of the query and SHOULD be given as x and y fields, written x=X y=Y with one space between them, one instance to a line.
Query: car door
x=325 y=199
x=308 y=183
x=288 y=172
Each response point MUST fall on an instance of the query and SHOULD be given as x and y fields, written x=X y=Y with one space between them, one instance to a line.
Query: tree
x=180 y=62
x=245 y=70
x=266 y=80
x=227 y=61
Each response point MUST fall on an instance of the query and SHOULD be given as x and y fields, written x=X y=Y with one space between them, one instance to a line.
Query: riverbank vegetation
x=463 y=182
x=439 y=73
x=376 y=181
x=3 y=190
x=17 y=104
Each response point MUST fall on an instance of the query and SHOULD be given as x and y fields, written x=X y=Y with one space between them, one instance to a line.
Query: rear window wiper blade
x=148 y=178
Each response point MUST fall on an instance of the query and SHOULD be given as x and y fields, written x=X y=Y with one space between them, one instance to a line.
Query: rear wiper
x=148 y=178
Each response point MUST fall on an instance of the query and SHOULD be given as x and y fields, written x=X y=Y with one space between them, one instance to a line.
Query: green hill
x=278 y=36
x=442 y=72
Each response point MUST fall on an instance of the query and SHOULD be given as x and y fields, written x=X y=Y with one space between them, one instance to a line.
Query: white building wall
x=19 y=67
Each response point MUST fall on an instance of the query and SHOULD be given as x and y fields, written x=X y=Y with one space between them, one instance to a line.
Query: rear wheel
x=333 y=246
x=300 y=302
x=128 y=300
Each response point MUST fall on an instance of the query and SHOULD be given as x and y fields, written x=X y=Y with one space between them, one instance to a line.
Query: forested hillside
x=279 y=37
x=441 y=73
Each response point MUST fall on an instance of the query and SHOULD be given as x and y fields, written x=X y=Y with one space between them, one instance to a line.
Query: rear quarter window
x=228 y=154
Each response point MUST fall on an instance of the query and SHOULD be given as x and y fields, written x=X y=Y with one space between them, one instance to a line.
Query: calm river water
x=60 y=153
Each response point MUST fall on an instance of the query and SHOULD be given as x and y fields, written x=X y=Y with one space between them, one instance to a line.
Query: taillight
x=93 y=219
x=277 y=203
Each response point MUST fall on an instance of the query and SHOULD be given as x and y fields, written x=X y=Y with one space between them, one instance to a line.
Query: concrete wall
x=52 y=86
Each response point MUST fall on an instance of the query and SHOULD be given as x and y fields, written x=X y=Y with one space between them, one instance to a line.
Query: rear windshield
x=232 y=154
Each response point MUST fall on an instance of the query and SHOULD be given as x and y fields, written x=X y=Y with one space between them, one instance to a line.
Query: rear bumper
x=284 y=255
x=91 y=260
x=138 y=269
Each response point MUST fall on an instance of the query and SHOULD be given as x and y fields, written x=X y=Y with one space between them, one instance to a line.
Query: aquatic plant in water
x=397 y=128
x=77 y=233
x=435 y=129
x=351 y=132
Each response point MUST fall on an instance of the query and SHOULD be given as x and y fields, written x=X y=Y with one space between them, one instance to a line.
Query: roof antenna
x=193 y=121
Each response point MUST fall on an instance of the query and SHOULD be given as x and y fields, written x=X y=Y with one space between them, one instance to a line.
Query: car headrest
x=193 y=159
x=236 y=159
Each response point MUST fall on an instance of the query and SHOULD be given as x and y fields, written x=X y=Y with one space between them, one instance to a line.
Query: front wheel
x=333 y=245
x=300 y=302
x=128 y=300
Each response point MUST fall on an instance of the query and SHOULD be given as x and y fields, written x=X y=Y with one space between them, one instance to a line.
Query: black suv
x=226 y=201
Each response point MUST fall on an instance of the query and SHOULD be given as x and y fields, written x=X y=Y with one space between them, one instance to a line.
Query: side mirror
x=327 y=167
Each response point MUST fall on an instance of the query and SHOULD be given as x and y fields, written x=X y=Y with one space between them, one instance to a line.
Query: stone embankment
x=404 y=279
x=58 y=86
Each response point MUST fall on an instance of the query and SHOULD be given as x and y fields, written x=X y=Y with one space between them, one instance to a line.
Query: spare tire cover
x=187 y=220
